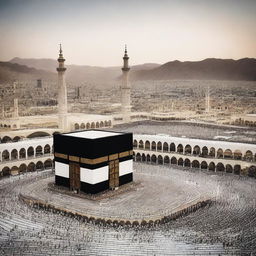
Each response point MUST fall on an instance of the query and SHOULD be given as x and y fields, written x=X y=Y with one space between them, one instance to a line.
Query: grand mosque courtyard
x=189 y=206
x=113 y=224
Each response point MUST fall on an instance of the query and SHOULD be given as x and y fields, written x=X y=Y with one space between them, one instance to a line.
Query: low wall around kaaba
x=181 y=211
x=153 y=197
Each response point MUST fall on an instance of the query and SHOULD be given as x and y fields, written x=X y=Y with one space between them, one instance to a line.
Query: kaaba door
x=113 y=174
x=74 y=176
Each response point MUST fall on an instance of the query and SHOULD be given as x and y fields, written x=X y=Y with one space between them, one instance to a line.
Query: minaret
x=62 y=93
x=126 y=89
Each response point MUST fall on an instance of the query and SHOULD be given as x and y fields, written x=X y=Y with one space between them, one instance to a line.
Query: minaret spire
x=62 y=92
x=126 y=59
x=126 y=89
x=125 y=51
x=61 y=58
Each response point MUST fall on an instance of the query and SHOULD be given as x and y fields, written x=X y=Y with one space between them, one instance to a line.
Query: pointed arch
x=160 y=159
x=212 y=152
x=22 y=168
x=220 y=153
x=228 y=154
x=15 y=170
x=195 y=164
x=238 y=155
x=30 y=152
x=39 y=166
x=165 y=147
x=248 y=155
x=47 y=149
x=180 y=161
x=14 y=154
x=147 y=145
x=22 y=153
x=153 y=159
x=188 y=149
x=159 y=146
x=196 y=150
x=204 y=151
x=6 y=171
x=211 y=166
x=173 y=160
x=5 y=155
x=138 y=157
x=31 y=167
x=204 y=165
x=166 y=160
x=6 y=139
x=180 y=148
x=220 y=167
x=153 y=145
x=187 y=163
x=172 y=147
x=48 y=164
x=39 y=151
x=229 y=168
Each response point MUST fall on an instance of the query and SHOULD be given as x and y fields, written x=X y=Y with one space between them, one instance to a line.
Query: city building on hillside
x=93 y=160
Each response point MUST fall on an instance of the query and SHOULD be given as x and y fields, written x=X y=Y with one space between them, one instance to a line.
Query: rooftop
x=93 y=134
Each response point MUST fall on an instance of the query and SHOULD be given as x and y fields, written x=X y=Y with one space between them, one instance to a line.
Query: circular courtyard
x=152 y=196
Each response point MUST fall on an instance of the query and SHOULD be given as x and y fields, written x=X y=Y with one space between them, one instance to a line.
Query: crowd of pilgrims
x=226 y=226
x=191 y=130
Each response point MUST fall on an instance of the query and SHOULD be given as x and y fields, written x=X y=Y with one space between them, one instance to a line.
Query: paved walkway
x=156 y=196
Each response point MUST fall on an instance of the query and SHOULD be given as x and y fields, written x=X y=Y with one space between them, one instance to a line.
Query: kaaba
x=93 y=160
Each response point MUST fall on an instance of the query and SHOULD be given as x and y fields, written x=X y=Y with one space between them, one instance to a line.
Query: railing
x=27 y=158
x=253 y=159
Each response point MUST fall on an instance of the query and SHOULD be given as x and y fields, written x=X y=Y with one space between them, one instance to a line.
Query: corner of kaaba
x=92 y=161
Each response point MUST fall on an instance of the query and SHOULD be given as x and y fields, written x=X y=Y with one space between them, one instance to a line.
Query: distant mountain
x=208 y=69
x=43 y=64
x=145 y=66
x=77 y=74
x=12 y=71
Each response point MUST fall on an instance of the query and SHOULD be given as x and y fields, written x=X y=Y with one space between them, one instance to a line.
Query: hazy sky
x=93 y=32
